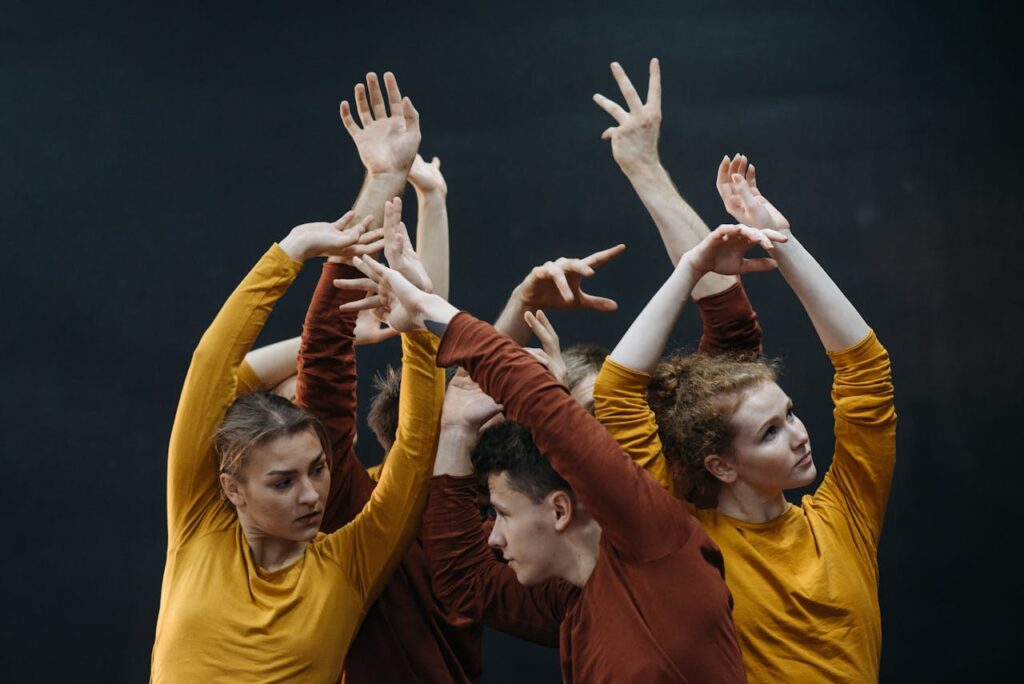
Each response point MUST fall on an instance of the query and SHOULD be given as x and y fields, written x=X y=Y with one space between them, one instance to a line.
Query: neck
x=583 y=547
x=746 y=503
x=271 y=553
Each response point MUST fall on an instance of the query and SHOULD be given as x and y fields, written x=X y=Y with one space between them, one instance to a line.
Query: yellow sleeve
x=620 y=404
x=210 y=387
x=246 y=380
x=370 y=547
x=860 y=477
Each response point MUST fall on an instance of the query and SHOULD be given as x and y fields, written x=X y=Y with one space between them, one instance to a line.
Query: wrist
x=688 y=268
x=294 y=246
x=432 y=195
x=644 y=168
x=436 y=308
x=392 y=175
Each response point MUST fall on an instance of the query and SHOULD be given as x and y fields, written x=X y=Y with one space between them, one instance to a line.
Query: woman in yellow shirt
x=804 y=578
x=252 y=590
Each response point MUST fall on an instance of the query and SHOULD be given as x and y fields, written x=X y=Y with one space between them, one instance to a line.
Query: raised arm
x=210 y=385
x=554 y=285
x=635 y=149
x=467 y=576
x=432 y=221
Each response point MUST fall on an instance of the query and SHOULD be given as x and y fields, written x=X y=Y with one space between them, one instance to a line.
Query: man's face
x=524 y=532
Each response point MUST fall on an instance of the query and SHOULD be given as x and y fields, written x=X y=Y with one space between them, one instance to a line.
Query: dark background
x=151 y=153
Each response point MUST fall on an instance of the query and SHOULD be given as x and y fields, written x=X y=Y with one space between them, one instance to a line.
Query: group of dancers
x=626 y=508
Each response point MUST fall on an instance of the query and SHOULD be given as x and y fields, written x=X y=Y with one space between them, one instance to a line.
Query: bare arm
x=274 y=363
x=432 y=221
x=635 y=148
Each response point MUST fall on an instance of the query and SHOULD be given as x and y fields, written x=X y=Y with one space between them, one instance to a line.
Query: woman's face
x=771 y=450
x=285 y=486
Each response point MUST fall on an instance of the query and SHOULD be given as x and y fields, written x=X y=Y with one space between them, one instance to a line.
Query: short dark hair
x=508 y=448
x=581 y=360
x=383 y=415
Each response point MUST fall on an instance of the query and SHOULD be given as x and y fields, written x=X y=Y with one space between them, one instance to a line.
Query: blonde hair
x=694 y=397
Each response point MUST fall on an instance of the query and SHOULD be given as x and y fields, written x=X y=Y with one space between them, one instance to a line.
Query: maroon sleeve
x=637 y=516
x=469 y=580
x=327 y=388
x=730 y=323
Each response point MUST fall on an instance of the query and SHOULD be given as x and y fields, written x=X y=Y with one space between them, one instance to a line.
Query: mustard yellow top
x=805 y=585
x=223 y=618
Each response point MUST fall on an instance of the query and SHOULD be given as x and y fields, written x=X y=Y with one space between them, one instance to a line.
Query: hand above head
x=466 y=406
x=551 y=354
x=635 y=138
x=368 y=330
x=387 y=142
x=724 y=250
x=398 y=248
x=557 y=284
x=338 y=239
x=427 y=178
x=394 y=299
x=737 y=185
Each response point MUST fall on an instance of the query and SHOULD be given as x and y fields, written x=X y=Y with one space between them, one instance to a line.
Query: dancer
x=804 y=578
x=251 y=590
x=615 y=544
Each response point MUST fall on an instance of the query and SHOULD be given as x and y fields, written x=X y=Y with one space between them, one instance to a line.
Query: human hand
x=466 y=406
x=723 y=250
x=737 y=185
x=635 y=139
x=556 y=284
x=394 y=299
x=387 y=143
x=398 y=248
x=338 y=239
x=427 y=178
x=551 y=354
x=369 y=330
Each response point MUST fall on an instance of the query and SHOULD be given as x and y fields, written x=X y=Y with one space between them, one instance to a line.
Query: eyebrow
x=292 y=471
x=789 y=403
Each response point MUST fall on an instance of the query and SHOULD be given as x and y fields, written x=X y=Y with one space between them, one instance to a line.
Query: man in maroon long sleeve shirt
x=647 y=600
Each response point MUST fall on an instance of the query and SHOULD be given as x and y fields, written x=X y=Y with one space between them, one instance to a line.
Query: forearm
x=837 y=322
x=678 y=224
x=453 y=451
x=642 y=345
x=377 y=189
x=432 y=238
x=511 y=321
x=274 y=363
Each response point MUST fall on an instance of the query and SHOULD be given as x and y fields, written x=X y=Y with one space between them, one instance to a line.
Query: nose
x=307 y=494
x=800 y=437
x=496 y=539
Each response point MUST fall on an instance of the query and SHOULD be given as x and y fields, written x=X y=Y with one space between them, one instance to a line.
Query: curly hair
x=694 y=397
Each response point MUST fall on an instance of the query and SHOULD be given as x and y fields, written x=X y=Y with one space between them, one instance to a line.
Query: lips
x=805 y=461
x=309 y=518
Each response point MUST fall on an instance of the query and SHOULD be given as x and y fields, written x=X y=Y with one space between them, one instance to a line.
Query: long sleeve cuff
x=730 y=322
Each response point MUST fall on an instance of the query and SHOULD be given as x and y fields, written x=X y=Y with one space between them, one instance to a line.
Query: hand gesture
x=551 y=355
x=723 y=250
x=387 y=143
x=465 y=404
x=389 y=293
x=339 y=239
x=369 y=330
x=427 y=178
x=556 y=284
x=635 y=139
x=737 y=185
x=398 y=248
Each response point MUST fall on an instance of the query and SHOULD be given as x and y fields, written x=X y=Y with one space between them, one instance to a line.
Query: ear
x=564 y=508
x=720 y=468
x=232 y=490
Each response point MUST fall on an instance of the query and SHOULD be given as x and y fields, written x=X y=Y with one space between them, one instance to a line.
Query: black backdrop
x=152 y=152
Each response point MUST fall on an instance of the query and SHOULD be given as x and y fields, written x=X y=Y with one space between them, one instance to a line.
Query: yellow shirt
x=223 y=618
x=805 y=585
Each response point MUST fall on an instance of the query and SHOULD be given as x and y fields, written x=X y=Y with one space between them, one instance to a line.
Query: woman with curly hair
x=804 y=577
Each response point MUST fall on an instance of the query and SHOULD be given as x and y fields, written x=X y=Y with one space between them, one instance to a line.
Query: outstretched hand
x=737 y=186
x=466 y=406
x=339 y=238
x=724 y=250
x=368 y=330
x=557 y=284
x=387 y=142
x=398 y=247
x=635 y=139
x=427 y=178
x=551 y=354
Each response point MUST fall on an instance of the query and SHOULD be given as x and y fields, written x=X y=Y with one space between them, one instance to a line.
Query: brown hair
x=383 y=415
x=694 y=397
x=581 y=360
x=255 y=419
